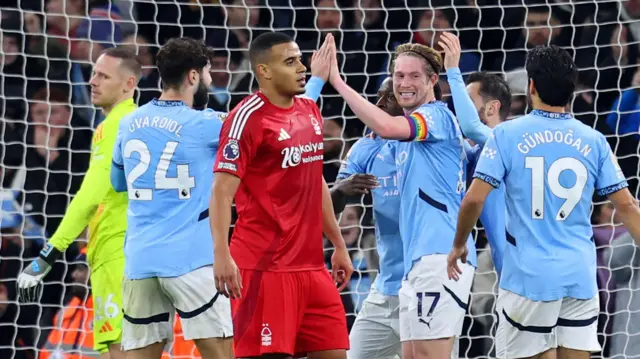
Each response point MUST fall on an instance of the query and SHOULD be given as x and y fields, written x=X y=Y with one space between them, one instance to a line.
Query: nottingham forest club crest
x=315 y=124
x=231 y=150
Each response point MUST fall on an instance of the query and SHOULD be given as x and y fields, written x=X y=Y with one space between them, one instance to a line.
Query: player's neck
x=277 y=99
x=173 y=95
x=107 y=109
x=538 y=105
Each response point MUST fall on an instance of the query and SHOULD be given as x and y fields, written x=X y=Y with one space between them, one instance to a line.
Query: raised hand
x=321 y=61
x=334 y=75
x=452 y=50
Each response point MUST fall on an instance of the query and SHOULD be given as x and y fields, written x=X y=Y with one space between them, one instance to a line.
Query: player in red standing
x=284 y=300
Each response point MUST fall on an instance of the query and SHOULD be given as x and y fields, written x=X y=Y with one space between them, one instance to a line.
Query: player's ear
x=193 y=77
x=264 y=71
x=493 y=108
x=131 y=83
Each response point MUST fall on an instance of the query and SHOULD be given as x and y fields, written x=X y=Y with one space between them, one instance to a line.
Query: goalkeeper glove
x=30 y=280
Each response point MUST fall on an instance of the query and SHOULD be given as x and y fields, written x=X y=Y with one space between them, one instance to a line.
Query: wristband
x=50 y=254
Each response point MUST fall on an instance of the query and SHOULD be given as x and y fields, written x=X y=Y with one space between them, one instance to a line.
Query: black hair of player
x=128 y=58
x=554 y=74
x=493 y=87
x=260 y=47
x=179 y=56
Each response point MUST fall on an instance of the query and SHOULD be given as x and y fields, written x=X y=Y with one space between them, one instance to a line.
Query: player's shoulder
x=303 y=100
x=367 y=144
x=433 y=108
x=248 y=111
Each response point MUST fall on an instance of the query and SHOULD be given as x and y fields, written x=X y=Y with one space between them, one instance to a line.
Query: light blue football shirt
x=375 y=156
x=167 y=151
x=550 y=164
x=432 y=180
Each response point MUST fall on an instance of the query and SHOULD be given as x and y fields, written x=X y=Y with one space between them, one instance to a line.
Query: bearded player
x=115 y=77
x=284 y=301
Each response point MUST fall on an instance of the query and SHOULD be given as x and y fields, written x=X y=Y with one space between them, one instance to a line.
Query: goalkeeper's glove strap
x=50 y=254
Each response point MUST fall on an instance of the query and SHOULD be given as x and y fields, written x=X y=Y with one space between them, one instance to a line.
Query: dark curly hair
x=554 y=74
x=179 y=56
x=493 y=87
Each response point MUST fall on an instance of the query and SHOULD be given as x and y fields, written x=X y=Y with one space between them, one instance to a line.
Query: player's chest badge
x=315 y=124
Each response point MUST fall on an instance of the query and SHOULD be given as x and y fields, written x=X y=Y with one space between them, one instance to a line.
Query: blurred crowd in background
x=47 y=120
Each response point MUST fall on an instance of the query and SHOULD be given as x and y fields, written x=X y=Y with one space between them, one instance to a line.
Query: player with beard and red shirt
x=284 y=300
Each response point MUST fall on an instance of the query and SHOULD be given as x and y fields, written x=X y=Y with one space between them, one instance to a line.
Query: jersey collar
x=552 y=115
x=167 y=103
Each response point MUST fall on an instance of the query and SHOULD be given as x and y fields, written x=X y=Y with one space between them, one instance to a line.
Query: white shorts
x=527 y=328
x=431 y=305
x=376 y=331
x=150 y=305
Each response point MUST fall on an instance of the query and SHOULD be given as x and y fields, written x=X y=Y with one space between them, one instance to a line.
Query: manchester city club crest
x=231 y=150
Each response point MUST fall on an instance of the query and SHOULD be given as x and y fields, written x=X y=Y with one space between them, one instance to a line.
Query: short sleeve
x=429 y=123
x=490 y=167
x=240 y=137
x=610 y=178
x=212 y=125
x=353 y=163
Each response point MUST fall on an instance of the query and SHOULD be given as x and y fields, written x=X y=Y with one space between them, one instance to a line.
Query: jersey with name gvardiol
x=432 y=180
x=550 y=164
x=167 y=150
x=376 y=156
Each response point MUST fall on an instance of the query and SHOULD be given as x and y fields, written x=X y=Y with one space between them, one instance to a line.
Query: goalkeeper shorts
x=527 y=328
x=150 y=305
x=106 y=291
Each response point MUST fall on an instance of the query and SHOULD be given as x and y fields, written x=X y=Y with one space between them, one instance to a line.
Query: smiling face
x=412 y=84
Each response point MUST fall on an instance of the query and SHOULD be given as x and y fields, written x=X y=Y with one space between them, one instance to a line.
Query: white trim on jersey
x=242 y=116
x=283 y=135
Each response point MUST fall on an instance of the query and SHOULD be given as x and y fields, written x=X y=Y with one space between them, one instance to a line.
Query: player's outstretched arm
x=341 y=266
x=627 y=209
x=380 y=122
x=82 y=208
x=227 y=275
x=466 y=111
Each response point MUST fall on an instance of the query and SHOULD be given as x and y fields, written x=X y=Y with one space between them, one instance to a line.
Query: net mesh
x=47 y=123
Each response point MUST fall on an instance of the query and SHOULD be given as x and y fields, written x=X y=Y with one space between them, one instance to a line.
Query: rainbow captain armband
x=418 y=124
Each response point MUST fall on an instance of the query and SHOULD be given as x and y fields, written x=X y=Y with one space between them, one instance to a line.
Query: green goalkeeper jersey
x=96 y=204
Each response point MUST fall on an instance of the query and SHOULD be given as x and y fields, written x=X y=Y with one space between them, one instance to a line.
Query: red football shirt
x=277 y=154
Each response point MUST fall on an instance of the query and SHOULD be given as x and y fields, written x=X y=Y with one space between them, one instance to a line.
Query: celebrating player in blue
x=431 y=170
x=480 y=106
x=376 y=331
x=550 y=164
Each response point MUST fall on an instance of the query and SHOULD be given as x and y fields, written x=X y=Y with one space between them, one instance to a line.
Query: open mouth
x=302 y=82
x=407 y=95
